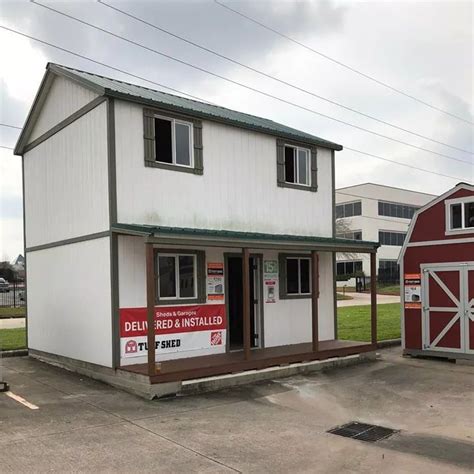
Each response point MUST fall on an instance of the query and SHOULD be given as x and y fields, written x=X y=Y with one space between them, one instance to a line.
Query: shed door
x=447 y=296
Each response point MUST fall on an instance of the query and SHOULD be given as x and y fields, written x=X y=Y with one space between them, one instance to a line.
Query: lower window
x=296 y=280
x=177 y=276
x=349 y=268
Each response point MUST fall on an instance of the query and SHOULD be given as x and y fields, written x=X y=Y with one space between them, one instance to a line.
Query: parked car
x=4 y=285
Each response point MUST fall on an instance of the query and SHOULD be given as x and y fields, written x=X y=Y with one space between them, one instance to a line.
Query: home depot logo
x=216 y=338
x=131 y=347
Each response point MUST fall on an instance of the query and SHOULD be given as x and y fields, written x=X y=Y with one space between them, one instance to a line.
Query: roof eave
x=235 y=123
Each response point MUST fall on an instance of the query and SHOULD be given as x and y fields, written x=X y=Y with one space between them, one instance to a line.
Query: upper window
x=349 y=209
x=391 y=209
x=391 y=238
x=172 y=142
x=296 y=166
x=460 y=214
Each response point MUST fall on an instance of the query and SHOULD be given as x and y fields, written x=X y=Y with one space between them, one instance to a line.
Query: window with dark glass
x=173 y=144
x=297 y=276
x=461 y=215
x=391 y=238
x=176 y=276
x=349 y=209
x=297 y=165
x=390 y=209
x=349 y=268
x=388 y=272
x=469 y=214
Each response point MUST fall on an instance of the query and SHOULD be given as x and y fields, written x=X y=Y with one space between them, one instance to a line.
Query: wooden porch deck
x=231 y=362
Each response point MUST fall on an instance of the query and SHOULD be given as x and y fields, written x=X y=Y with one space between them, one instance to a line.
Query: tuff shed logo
x=131 y=347
x=216 y=338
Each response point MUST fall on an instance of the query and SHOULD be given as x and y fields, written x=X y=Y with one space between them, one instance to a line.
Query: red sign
x=173 y=319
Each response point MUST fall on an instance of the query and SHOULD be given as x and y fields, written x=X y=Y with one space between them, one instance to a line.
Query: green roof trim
x=144 y=95
x=150 y=230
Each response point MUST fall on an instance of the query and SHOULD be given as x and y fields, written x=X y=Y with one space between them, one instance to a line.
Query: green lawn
x=12 y=339
x=354 y=322
x=12 y=312
x=340 y=296
x=389 y=290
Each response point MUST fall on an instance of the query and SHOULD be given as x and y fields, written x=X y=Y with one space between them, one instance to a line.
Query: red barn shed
x=437 y=277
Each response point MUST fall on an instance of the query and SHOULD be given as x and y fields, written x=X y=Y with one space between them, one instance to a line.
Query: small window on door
x=297 y=165
x=173 y=142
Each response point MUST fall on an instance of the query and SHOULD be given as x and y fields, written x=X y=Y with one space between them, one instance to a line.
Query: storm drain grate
x=363 y=431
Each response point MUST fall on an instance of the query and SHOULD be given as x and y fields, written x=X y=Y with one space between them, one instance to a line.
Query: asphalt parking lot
x=279 y=426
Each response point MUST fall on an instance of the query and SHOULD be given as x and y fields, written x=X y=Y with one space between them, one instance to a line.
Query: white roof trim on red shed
x=441 y=198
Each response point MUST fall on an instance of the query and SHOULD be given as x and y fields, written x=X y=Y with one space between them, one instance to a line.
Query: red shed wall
x=414 y=257
x=430 y=224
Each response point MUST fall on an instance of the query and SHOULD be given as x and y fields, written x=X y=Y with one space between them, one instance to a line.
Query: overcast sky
x=423 y=48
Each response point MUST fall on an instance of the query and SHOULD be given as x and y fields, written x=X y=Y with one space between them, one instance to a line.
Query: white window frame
x=173 y=141
x=299 y=276
x=176 y=263
x=296 y=164
x=458 y=230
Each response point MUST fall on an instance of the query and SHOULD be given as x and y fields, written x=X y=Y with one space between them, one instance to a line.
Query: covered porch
x=249 y=358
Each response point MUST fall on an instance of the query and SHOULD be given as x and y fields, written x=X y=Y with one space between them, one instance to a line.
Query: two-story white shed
x=173 y=238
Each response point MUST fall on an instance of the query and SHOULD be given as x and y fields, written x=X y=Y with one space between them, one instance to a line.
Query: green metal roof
x=127 y=91
x=150 y=230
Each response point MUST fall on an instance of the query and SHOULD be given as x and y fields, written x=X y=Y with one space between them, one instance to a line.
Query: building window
x=354 y=235
x=391 y=238
x=349 y=209
x=180 y=277
x=296 y=166
x=461 y=215
x=389 y=271
x=295 y=276
x=349 y=269
x=172 y=142
x=391 y=209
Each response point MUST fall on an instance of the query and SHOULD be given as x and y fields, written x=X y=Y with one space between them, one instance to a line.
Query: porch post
x=314 y=298
x=246 y=302
x=150 y=302
x=373 y=297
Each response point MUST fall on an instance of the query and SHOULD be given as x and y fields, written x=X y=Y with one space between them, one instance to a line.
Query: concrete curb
x=219 y=382
x=389 y=343
x=14 y=353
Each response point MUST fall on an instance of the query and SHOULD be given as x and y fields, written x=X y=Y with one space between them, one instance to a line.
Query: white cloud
x=22 y=66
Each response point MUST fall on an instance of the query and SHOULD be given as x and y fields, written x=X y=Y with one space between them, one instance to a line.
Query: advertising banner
x=215 y=281
x=177 y=329
x=412 y=284
x=270 y=277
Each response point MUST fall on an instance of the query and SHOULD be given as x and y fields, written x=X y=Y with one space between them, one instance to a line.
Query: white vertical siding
x=238 y=190
x=288 y=321
x=66 y=182
x=64 y=98
x=285 y=321
x=69 y=304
